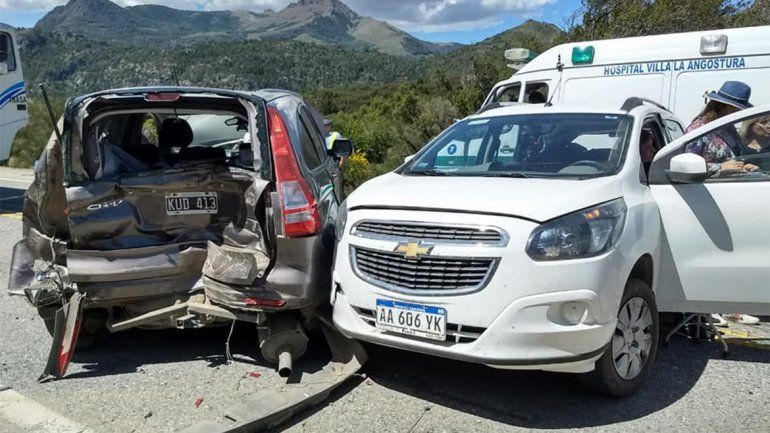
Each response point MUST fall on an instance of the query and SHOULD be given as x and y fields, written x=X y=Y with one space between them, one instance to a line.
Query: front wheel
x=624 y=367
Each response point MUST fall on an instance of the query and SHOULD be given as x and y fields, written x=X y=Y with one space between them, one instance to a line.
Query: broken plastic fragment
x=198 y=402
x=255 y=374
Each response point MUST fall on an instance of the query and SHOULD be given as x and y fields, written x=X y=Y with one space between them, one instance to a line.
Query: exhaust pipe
x=282 y=340
x=284 y=364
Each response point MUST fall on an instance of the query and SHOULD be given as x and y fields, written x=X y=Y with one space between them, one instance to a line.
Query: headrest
x=174 y=132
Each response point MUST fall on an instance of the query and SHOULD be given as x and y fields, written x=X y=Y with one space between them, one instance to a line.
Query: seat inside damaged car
x=163 y=207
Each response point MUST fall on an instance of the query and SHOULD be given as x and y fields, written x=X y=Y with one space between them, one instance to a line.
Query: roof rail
x=636 y=101
x=493 y=105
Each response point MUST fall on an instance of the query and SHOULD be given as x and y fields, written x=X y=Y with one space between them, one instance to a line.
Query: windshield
x=533 y=145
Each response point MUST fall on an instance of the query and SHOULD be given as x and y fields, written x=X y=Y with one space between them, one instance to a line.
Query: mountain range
x=89 y=45
x=328 y=22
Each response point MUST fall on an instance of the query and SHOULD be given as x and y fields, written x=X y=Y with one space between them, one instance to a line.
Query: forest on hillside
x=390 y=107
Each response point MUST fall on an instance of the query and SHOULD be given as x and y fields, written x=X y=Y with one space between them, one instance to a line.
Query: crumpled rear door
x=191 y=206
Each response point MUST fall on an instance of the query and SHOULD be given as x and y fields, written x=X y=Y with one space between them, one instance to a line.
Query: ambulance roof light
x=583 y=55
x=518 y=55
x=713 y=44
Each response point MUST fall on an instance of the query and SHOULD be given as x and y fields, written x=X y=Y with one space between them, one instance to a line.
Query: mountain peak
x=323 y=8
x=328 y=22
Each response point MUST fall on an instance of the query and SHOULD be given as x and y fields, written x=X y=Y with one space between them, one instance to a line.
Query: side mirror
x=342 y=148
x=687 y=168
x=408 y=158
x=3 y=68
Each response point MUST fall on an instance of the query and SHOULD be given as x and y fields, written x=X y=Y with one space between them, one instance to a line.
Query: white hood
x=534 y=199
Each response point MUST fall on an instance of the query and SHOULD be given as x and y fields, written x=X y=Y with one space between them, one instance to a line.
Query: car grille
x=417 y=231
x=455 y=333
x=441 y=274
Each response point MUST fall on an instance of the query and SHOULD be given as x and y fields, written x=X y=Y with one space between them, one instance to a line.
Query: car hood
x=533 y=199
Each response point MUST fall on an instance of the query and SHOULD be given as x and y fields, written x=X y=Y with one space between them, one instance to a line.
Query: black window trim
x=305 y=116
x=12 y=66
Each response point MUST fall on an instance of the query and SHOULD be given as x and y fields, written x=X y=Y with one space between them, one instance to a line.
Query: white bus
x=13 y=101
x=674 y=70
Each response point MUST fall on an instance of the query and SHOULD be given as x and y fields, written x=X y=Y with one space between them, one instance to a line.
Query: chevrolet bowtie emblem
x=413 y=250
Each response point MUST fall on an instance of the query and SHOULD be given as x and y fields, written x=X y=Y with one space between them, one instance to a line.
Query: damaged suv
x=181 y=207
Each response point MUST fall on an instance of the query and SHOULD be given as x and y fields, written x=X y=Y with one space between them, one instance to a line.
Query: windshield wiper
x=429 y=172
x=509 y=174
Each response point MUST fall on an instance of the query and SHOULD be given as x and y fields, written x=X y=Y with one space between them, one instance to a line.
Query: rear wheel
x=624 y=367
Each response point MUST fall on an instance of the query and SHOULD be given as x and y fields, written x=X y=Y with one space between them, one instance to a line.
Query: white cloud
x=446 y=15
x=20 y=5
x=410 y=15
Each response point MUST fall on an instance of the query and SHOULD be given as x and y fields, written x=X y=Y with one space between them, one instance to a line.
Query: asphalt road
x=144 y=381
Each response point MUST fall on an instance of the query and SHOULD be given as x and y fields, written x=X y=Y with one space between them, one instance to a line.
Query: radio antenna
x=51 y=116
x=560 y=68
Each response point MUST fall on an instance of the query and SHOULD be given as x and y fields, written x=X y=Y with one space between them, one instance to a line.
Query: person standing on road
x=721 y=147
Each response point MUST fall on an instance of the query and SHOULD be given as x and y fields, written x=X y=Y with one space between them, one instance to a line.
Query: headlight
x=585 y=233
x=342 y=220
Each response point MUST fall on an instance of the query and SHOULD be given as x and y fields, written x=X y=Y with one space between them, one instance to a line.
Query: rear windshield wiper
x=429 y=172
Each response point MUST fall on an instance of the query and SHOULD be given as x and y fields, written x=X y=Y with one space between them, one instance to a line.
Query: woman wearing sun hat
x=720 y=148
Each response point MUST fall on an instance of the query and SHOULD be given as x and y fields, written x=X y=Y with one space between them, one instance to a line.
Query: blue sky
x=464 y=21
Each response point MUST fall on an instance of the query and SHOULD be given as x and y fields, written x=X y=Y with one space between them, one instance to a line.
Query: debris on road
x=270 y=408
x=198 y=402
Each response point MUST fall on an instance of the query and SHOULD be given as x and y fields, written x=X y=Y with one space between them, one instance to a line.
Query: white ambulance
x=674 y=70
x=13 y=101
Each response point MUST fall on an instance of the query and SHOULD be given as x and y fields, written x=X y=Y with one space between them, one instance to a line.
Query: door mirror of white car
x=3 y=68
x=408 y=158
x=687 y=168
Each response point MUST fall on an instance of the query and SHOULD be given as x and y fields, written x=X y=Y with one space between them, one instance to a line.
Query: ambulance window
x=674 y=129
x=6 y=51
x=509 y=93
x=536 y=93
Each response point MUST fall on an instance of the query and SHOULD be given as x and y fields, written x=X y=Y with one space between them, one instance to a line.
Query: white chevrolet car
x=547 y=255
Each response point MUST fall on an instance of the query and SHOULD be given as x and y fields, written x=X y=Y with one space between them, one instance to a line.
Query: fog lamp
x=574 y=312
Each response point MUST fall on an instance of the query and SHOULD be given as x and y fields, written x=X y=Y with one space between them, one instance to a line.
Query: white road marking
x=29 y=416
x=10 y=179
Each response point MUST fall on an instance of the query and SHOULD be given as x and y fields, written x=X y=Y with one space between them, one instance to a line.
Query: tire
x=92 y=331
x=626 y=364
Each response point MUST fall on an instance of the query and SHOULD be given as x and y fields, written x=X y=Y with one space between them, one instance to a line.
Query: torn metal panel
x=65 y=335
x=22 y=267
x=235 y=265
x=119 y=292
x=94 y=266
x=45 y=201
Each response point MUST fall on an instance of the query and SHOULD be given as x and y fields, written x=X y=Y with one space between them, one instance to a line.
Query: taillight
x=259 y=302
x=162 y=97
x=299 y=210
